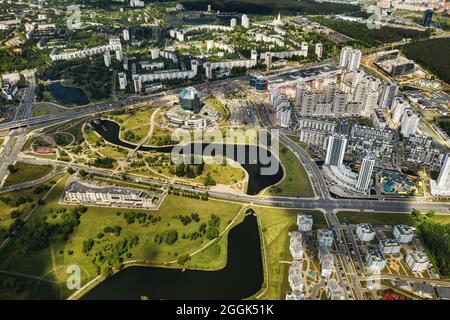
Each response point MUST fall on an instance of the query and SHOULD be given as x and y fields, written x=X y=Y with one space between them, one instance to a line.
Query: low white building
x=78 y=193
x=389 y=246
x=417 y=261
x=403 y=233
x=365 y=232
x=375 y=260
x=304 y=222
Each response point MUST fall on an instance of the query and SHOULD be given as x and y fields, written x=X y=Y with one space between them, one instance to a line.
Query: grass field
x=295 y=182
x=136 y=122
x=110 y=152
x=24 y=208
x=41 y=111
x=222 y=174
x=276 y=223
x=302 y=145
x=27 y=172
x=382 y=218
x=51 y=262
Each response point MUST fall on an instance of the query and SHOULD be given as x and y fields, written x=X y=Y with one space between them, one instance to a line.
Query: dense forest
x=432 y=54
x=436 y=238
x=90 y=74
x=371 y=37
x=249 y=6
x=271 y=6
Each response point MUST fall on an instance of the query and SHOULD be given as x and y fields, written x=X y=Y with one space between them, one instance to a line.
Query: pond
x=68 y=95
x=251 y=158
x=241 y=277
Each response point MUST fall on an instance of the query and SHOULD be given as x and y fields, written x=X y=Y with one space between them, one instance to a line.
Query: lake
x=68 y=95
x=241 y=277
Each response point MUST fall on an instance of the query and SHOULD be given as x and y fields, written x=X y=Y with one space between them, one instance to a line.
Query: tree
x=415 y=213
x=12 y=168
x=181 y=170
x=106 y=270
x=431 y=214
x=183 y=259
x=212 y=233
x=83 y=173
x=209 y=181
x=70 y=170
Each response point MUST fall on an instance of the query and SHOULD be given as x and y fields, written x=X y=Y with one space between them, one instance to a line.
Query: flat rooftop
x=301 y=74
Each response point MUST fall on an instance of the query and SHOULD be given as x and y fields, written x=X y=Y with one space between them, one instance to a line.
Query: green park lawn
x=295 y=182
x=136 y=122
x=52 y=261
x=41 y=111
x=383 y=218
x=27 y=172
x=275 y=225
x=92 y=137
x=22 y=202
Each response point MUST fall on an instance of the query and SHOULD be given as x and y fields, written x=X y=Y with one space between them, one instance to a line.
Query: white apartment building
x=137 y=82
x=326 y=265
x=325 y=238
x=399 y=106
x=262 y=37
x=375 y=260
x=365 y=173
x=388 y=95
x=122 y=80
x=295 y=276
x=442 y=185
x=403 y=233
x=107 y=58
x=282 y=107
x=350 y=58
x=304 y=222
x=417 y=261
x=319 y=50
x=125 y=35
x=409 y=123
x=315 y=137
x=146 y=65
x=114 y=44
x=245 y=21
x=389 y=246
x=334 y=291
x=365 y=232
x=154 y=53
x=296 y=245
